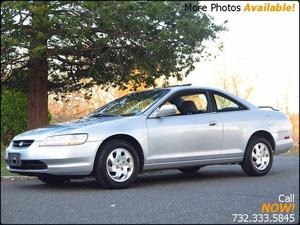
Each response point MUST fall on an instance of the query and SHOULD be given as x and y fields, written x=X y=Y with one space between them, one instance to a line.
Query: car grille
x=30 y=165
x=22 y=143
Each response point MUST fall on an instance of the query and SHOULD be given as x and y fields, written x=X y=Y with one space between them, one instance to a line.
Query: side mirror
x=165 y=110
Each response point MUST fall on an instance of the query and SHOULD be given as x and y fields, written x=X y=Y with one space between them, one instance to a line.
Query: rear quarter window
x=226 y=104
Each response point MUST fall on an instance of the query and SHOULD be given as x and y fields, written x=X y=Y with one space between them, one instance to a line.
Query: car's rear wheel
x=48 y=179
x=117 y=165
x=258 y=157
x=190 y=170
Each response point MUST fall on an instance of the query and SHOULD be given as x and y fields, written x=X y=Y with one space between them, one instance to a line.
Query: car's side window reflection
x=189 y=104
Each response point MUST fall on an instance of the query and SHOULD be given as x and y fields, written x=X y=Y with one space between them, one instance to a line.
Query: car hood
x=63 y=128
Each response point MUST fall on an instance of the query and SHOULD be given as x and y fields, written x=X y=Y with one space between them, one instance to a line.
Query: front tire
x=258 y=158
x=117 y=165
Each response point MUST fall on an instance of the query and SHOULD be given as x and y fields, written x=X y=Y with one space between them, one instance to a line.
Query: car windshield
x=131 y=104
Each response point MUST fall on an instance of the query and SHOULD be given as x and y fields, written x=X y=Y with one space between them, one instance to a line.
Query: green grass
x=4 y=171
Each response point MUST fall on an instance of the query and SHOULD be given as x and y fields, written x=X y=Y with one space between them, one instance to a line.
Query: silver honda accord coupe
x=183 y=127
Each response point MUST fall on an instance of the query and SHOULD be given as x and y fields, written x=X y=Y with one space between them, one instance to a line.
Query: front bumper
x=59 y=160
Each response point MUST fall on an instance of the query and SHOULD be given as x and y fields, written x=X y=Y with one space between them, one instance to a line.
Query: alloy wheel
x=261 y=156
x=120 y=165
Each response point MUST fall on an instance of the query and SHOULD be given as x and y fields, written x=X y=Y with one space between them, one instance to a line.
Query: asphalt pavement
x=211 y=196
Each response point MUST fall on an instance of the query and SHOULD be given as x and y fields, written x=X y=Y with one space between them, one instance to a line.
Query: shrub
x=14 y=114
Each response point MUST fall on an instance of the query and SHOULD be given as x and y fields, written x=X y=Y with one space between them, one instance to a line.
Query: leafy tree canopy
x=104 y=42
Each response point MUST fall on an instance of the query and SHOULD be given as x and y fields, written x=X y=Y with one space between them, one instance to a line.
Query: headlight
x=66 y=139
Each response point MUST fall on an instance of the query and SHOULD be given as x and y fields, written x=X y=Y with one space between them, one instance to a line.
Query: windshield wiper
x=128 y=114
x=103 y=115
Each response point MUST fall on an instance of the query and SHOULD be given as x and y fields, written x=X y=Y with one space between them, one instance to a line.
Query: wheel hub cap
x=260 y=156
x=119 y=165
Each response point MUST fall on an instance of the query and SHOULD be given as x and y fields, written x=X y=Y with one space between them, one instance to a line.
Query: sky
x=262 y=49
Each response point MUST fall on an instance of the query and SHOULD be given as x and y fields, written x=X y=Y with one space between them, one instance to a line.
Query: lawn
x=4 y=171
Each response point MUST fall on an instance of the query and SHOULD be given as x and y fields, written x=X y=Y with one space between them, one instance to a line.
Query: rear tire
x=190 y=170
x=48 y=179
x=258 y=158
x=117 y=165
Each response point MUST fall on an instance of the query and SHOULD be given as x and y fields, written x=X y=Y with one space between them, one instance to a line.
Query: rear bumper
x=282 y=143
x=283 y=147
x=59 y=160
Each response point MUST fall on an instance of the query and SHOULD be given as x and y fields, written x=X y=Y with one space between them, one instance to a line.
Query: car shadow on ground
x=151 y=179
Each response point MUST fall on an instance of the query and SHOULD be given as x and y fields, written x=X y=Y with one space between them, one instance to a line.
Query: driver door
x=193 y=133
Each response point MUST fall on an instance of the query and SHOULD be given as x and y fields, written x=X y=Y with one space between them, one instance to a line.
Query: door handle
x=212 y=123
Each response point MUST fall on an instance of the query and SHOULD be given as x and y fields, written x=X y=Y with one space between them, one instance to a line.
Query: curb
x=4 y=178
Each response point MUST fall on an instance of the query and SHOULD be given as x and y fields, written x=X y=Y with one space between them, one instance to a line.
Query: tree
x=53 y=45
x=237 y=86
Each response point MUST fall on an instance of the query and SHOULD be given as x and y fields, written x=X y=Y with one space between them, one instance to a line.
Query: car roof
x=187 y=87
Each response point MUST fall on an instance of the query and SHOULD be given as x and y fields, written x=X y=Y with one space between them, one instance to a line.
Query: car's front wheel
x=258 y=157
x=117 y=165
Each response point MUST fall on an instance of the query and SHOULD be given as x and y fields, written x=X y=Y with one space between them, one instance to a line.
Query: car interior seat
x=188 y=107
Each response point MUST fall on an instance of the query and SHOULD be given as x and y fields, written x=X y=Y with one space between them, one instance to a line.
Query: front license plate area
x=14 y=159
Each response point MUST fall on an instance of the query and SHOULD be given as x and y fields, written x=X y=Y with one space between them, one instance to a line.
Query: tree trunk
x=38 y=72
x=38 y=94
